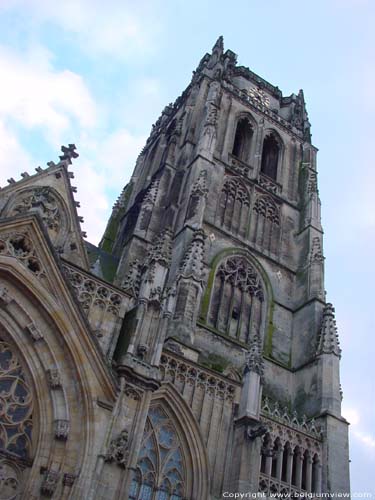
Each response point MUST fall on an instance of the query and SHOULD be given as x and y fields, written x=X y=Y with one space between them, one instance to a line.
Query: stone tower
x=203 y=356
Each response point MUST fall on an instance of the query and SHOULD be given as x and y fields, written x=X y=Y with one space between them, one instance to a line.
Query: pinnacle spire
x=328 y=342
x=254 y=360
x=219 y=44
x=192 y=263
x=161 y=251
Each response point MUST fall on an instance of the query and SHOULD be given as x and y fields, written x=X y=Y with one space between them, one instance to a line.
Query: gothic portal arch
x=34 y=331
x=172 y=462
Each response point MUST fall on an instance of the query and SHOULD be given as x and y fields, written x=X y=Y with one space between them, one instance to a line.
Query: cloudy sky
x=98 y=74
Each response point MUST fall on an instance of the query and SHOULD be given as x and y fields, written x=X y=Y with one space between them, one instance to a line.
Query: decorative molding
x=19 y=245
x=273 y=411
x=173 y=368
x=92 y=292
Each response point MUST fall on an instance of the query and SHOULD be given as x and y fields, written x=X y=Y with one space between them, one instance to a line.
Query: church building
x=192 y=354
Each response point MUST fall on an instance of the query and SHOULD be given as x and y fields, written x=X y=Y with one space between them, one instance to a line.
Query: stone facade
x=191 y=353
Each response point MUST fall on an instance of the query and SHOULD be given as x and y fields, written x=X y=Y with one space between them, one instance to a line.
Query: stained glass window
x=160 y=471
x=15 y=405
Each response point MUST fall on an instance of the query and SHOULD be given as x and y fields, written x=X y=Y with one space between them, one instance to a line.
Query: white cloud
x=351 y=415
x=33 y=94
x=116 y=28
x=105 y=166
x=13 y=158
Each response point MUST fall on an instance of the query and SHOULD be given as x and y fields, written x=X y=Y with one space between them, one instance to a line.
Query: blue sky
x=99 y=73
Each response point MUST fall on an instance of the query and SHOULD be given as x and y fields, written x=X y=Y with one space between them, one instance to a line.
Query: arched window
x=16 y=405
x=161 y=473
x=233 y=206
x=242 y=139
x=270 y=156
x=237 y=298
x=265 y=227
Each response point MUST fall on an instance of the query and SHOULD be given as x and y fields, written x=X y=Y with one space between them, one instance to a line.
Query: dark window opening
x=242 y=140
x=270 y=156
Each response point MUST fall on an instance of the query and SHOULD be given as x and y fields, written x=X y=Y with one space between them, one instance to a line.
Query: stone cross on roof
x=68 y=153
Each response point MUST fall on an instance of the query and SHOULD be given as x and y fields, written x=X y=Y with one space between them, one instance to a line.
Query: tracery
x=160 y=473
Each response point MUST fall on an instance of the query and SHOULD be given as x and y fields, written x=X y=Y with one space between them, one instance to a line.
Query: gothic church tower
x=205 y=355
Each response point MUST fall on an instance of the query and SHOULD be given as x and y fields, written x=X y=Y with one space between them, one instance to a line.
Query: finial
x=68 y=153
x=219 y=45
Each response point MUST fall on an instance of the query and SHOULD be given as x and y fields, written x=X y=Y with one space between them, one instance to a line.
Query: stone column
x=289 y=466
x=299 y=462
x=279 y=463
x=308 y=473
x=317 y=486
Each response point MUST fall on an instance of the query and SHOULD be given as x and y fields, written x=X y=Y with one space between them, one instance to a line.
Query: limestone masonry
x=192 y=353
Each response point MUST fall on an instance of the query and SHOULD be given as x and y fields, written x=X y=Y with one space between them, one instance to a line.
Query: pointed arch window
x=242 y=139
x=237 y=298
x=16 y=404
x=270 y=156
x=161 y=471
x=233 y=206
x=265 y=227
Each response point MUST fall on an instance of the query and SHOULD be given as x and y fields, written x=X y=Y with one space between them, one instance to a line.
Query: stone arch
x=233 y=207
x=30 y=319
x=243 y=137
x=272 y=154
x=252 y=314
x=169 y=410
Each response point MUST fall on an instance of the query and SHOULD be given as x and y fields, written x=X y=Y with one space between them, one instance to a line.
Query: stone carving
x=312 y=183
x=10 y=480
x=240 y=167
x=54 y=379
x=254 y=358
x=50 y=482
x=328 y=342
x=68 y=479
x=255 y=432
x=269 y=184
x=161 y=251
x=172 y=369
x=132 y=393
x=69 y=152
x=34 y=332
x=265 y=206
x=132 y=282
x=4 y=295
x=316 y=254
x=20 y=246
x=40 y=200
x=16 y=404
x=148 y=205
x=91 y=292
x=118 y=450
x=62 y=428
